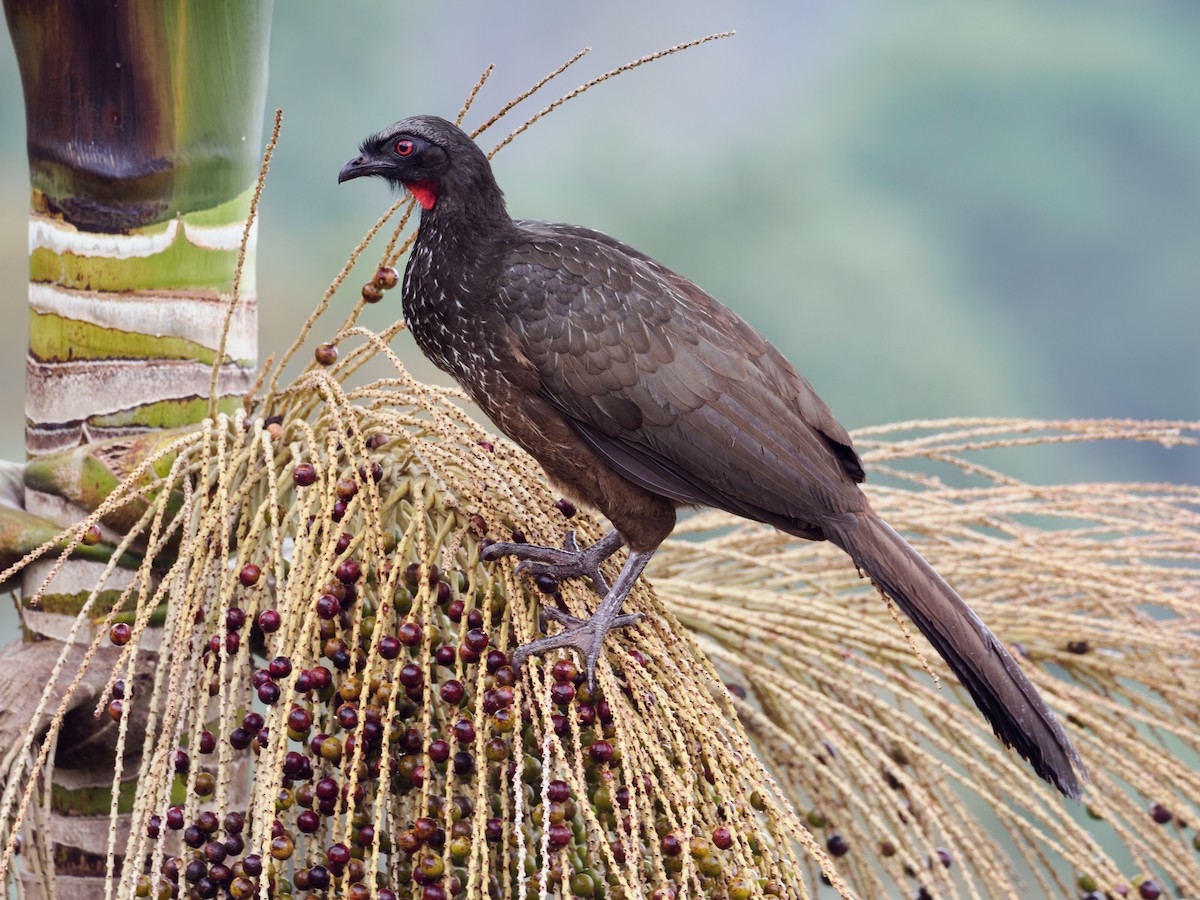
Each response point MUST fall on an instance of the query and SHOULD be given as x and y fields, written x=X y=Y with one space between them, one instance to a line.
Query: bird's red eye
x=405 y=147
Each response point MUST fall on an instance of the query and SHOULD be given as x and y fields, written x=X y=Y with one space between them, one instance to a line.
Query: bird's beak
x=359 y=166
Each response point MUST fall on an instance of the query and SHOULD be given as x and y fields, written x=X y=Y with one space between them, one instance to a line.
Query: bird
x=639 y=394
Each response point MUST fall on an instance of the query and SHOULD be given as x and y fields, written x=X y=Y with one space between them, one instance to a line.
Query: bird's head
x=435 y=160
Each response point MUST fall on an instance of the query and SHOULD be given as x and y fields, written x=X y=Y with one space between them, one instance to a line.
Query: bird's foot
x=585 y=635
x=548 y=565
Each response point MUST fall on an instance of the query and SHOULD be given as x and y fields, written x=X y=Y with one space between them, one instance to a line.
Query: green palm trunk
x=144 y=124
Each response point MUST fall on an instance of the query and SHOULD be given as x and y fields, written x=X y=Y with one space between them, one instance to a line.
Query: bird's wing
x=668 y=386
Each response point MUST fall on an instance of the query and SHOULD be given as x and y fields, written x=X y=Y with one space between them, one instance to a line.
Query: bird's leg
x=569 y=562
x=587 y=635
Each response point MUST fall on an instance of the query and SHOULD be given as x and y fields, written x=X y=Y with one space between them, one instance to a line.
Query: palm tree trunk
x=143 y=124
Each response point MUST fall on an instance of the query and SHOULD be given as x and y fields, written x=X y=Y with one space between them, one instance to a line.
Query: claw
x=587 y=635
x=567 y=562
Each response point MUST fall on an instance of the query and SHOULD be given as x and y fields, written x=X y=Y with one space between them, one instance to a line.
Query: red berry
x=249 y=575
x=464 y=731
x=326 y=789
x=467 y=654
x=721 y=837
x=269 y=621
x=566 y=507
x=348 y=571
x=346 y=488
x=586 y=714
x=321 y=677
x=476 y=639
x=836 y=845
x=453 y=692
x=389 y=647
x=299 y=719
x=671 y=844
x=387 y=277
x=409 y=633
x=269 y=693
x=338 y=856
x=558 y=792
x=326 y=354
x=347 y=716
x=1160 y=814
x=601 y=751
x=304 y=474
x=559 y=834
x=328 y=606
x=562 y=693
x=424 y=829
x=371 y=292
x=120 y=633
x=411 y=675
x=439 y=751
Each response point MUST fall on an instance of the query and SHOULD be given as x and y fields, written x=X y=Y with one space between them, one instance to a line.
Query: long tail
x=1011 y=703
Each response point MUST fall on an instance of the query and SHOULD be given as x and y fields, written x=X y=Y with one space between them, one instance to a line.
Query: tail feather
x=1011 y=703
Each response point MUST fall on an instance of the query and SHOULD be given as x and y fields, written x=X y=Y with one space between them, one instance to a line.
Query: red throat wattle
x=425 y=192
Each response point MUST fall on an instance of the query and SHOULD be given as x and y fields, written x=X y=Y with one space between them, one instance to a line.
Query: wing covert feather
x=669 y=387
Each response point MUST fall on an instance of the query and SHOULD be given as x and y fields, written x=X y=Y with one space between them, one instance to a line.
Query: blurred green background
x=933 y=208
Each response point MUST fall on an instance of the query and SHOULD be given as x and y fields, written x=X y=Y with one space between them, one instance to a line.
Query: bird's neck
x=450 y=280
x=463 y=225
x=467 y=201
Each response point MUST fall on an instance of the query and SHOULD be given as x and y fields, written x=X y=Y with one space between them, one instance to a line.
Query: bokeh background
x=933 y=208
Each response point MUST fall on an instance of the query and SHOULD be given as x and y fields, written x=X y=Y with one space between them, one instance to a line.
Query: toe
x=557 y=615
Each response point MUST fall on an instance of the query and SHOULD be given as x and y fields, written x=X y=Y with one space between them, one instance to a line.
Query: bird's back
x=667 y=385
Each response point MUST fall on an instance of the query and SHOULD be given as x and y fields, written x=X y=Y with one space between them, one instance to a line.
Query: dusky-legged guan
x=638 y=393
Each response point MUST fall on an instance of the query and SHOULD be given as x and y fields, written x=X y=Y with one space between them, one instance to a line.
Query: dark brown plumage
x=639 y=393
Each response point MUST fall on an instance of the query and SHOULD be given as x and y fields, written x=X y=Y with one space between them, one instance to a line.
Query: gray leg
x=587 y=635
x=569 y=562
